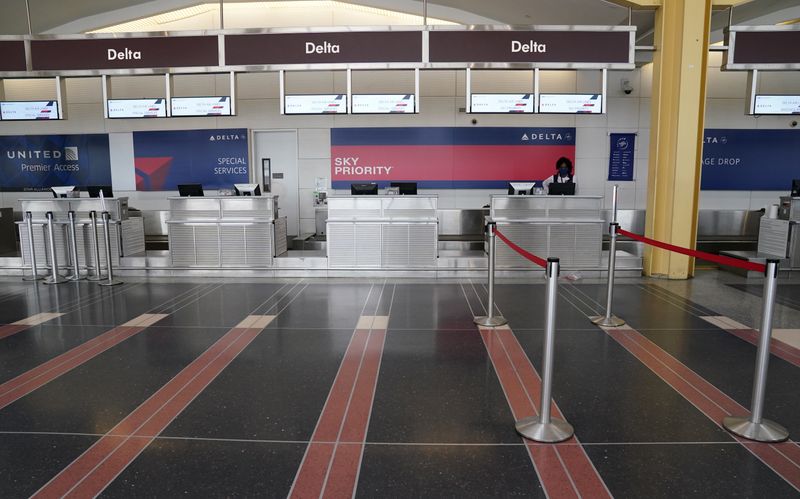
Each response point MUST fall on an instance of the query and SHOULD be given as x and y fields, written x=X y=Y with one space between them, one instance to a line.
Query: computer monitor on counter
x=95 y=190
x=364 y=189
x=521 y=188
x=247 y=189
x=796 y=188
x=65 y=191
x=190 y=190
x=406 y=188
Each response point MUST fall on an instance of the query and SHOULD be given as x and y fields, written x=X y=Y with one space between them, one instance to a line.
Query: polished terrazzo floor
x=385 y=388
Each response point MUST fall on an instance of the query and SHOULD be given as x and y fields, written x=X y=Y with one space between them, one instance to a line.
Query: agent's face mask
x=563 y=171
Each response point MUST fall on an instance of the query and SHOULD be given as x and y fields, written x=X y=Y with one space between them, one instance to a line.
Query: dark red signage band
x=125 y=53
x=12 y=55
x=600 y=47
x=323 y=48
x=767 y=47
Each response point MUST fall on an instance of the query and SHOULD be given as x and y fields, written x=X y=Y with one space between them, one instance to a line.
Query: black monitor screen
x=363 y=189
x=248 y=192
x=194 y=190
x=95 y=190
x=557 y=189
x=406 y=188
x=796 y=188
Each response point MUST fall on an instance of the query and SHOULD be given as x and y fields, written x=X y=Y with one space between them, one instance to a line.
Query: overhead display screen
x=201 y=106
x=571 y=103
x=777 y=104
x=383 y=103
x=315 y=104
x=501 y=103
x=137 y=108
x=29 y=110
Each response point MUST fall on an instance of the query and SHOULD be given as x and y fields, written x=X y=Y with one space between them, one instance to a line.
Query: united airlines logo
x=71 y=153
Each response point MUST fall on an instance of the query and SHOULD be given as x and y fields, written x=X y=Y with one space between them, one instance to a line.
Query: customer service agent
x=563 y=175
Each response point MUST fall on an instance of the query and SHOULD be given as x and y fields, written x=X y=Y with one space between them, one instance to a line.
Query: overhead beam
x=654 y=4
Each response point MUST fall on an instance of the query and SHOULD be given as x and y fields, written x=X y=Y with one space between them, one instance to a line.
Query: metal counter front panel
x=447 y=157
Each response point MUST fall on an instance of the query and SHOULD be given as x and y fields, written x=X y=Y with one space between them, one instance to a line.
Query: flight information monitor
x=383 y=103
x=315 y=104
x=501 y=103
x=29 y=110
x=571 y=103
x=777 y=104
x=200 y=106
x=137 y=108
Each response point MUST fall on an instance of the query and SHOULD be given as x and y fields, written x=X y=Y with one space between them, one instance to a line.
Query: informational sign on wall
x=447 y=157
x=750 y=160
x=38 y=162
x=215 y=158
x=621 y=156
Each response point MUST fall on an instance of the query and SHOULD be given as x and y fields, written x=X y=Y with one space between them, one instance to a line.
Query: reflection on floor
x=385 y=388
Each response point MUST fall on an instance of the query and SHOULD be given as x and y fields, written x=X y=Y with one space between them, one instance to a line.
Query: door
x=280 y=148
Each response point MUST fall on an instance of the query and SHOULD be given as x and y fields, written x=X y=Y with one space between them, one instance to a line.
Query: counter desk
x=225 y=231
x=126 y=231
x=567 y=227
x=382 y=232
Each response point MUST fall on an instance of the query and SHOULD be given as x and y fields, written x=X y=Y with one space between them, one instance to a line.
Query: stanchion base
x=95 y=278
x=612 y=321
x=76 y=277
x=31 y=278
x=494 y=321
x=57 y=280
x=765 y=431
x=556 y=430
x=106 y=282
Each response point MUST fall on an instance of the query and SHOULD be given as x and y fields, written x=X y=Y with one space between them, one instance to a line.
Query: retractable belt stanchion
x=610 y=320
x=54 y=278
x=109 y=281
x=31 y=248
x=755 y=427
x=544 y=428
x=95 y=247
x=491 y=320
x=73 y=244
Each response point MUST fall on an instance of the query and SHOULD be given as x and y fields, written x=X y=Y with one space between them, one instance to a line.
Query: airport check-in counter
x=567 y=227
x=382 y=232
x=126 y=230
x=225 y=231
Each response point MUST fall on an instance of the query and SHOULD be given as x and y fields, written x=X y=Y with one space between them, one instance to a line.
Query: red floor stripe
x=777 y=348
x=782 y=458
x=564 y=470
x=16 y=388
x=91 y=472
x=333 y=458
x=7 y=330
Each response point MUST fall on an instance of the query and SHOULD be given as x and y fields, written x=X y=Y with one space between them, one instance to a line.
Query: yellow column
x=676 y=132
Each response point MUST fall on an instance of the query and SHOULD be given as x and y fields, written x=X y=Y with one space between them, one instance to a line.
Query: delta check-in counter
x=225 y=231
x=566 y=227
x=126 y=230
x=382 y=232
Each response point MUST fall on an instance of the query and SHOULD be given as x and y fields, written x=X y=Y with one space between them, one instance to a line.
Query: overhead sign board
x=315 y=104
x=501 y=103
x=346 y=47
x=570 y=103
x=763 y=47
x=12 y=55
x=572 y=48
x=124 y=53
x=29 y=110
x=383 y=104
x=777 y=104
x=201 y=106
x=137 y=108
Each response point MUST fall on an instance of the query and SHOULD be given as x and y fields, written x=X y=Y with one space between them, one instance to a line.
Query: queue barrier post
x=73 y=245
x=55 y=277
x=95 y=247
x=609 y=319
x=491 y=320
x=110 y=281
x=545 y=428
x=31 y=248
x=755 y=427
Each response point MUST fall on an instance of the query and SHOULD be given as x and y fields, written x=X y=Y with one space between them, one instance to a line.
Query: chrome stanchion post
x=73 y=244
x=491 y=320
x=31 y=248
x=95 y=247
x=110 y=281
x=756 y=427
x=54 y=278
x=544 y=428
x=610 y=320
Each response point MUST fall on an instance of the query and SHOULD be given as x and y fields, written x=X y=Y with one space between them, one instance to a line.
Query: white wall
x=442 y=97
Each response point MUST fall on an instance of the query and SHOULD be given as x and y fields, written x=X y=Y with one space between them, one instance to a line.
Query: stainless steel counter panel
x=225 y=231
x=567 y=227
x=382 y=232
x=117 y=208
